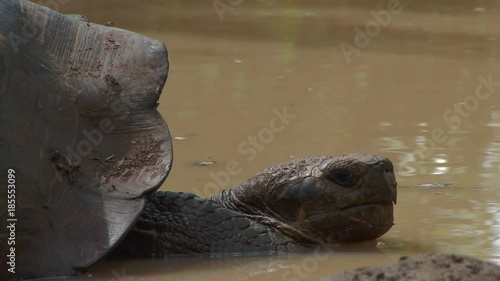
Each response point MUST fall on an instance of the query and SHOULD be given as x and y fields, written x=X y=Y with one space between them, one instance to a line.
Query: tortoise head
x=322 y=199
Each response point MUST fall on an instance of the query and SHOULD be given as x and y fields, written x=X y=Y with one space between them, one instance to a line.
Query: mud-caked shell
x=80 y=132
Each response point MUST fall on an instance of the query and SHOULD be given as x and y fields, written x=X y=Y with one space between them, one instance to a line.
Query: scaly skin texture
x=175 y=223
x=301 y=203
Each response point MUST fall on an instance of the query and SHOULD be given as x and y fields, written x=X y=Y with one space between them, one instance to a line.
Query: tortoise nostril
x=386 y=165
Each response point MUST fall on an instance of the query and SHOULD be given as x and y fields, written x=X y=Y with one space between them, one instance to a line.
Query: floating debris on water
x=434 y=185
x=205 y=163
x=179 y=138
x=431 y=185
x=237 y=61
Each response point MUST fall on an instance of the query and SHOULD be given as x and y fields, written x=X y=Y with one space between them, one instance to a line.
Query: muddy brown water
x=421 y=88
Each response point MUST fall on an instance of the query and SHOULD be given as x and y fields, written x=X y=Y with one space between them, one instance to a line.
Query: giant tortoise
x=83 y=150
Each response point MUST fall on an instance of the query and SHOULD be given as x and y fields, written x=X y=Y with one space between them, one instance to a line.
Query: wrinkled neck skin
x=252 y=198
x=237 y=199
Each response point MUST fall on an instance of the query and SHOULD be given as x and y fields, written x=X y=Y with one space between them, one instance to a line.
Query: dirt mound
x=434 y=267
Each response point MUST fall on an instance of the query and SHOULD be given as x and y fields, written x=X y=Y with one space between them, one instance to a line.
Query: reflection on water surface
x=423 y=92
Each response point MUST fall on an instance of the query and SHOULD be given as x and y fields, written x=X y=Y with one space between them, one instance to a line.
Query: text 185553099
x=11 y=219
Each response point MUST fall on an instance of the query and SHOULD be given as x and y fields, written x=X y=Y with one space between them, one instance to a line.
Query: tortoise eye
x=342 y=178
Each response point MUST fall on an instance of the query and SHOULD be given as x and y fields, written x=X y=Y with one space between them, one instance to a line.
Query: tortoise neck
x=250 y=201
x=236 y=199
x=176 y=223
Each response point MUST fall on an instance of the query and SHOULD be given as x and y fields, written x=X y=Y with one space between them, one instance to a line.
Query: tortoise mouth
x=358 y=223
x=366 y=205
x=372 y=216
